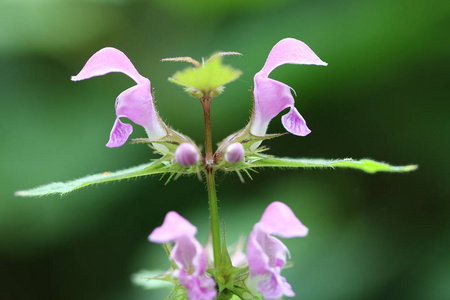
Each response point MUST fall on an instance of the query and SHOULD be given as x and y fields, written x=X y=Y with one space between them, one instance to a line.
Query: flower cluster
x=219 y=276
x=266 y=255
x=188 y=255
x=270 y=98
x=212 y=273
x=204 y=273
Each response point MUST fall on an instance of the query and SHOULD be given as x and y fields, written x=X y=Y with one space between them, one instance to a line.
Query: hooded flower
x=267 y=254
x=188 y=254
x=135 y=103
x=272 y=97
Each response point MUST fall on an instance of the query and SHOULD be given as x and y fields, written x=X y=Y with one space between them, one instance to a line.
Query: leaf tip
x=21 y=193
x=410 y=168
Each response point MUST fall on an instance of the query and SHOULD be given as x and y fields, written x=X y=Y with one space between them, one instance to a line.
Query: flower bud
x=187 y=155
x=235 y=153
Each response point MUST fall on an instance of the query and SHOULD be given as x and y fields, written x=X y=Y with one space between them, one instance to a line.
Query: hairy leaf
x=366 y=165
x=66 y=187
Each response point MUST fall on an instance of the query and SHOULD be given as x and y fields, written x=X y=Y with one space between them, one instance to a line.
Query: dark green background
x=384 y=95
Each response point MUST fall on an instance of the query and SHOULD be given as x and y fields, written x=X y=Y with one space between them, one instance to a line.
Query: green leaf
x=366 y=165
x=156 y=167
x=150 y=280
x=211 y=76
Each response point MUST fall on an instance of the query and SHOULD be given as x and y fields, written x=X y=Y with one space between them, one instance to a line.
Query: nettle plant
x=211 y=272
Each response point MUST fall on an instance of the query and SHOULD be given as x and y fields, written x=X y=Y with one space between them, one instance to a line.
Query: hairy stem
x=214 y=215
x=210 y=182
x=209 y=160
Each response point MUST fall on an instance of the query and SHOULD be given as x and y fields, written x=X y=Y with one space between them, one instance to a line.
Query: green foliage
x=386 y=78
x=366 y=165
x=156 y=167
x=257 y=161
x=206 y=79
x=150 y=280
x=230 y=280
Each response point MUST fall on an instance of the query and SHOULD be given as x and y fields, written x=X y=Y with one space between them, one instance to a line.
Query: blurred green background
x=384 y=95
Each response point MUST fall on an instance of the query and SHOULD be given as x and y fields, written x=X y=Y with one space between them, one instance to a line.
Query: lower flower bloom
x=266 y=257
x=188 y=254
x=267 y=254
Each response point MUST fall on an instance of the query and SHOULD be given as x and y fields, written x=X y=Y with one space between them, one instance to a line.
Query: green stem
x=210 y=182
x=214 y=215
x=209 y=160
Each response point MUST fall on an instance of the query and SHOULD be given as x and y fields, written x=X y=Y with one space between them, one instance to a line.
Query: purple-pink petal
x=199 y=288
x=119 y=134
x=267 y=254
x=190 y=257
x=188 y=254
x=108 y=60
x=135 y=103
x=280 y=220
x=173 y=227
x=294 y=123
x=290 y=51
x=264 y=252
x=272 y=97
x=274 y=286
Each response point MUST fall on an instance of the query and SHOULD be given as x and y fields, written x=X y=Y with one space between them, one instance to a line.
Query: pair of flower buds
x=136 y=103
x=266 y=255
x=188 y=155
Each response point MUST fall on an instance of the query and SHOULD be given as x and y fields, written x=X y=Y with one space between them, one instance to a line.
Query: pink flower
x=267 y=254
x=135 y=103
x=272 y=97
x=188 y=254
